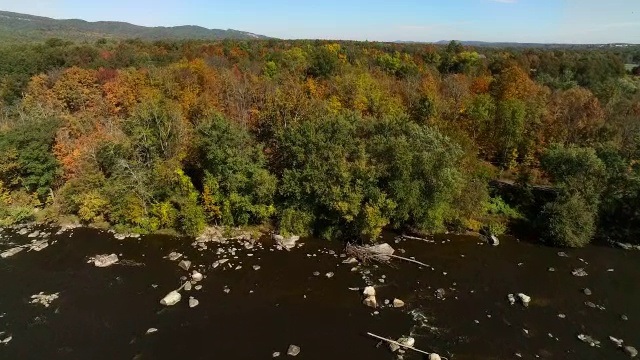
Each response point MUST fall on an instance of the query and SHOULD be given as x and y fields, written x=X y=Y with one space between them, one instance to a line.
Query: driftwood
x=415 y=238
x=365 y=255
x=397 y=343
x=407 y=259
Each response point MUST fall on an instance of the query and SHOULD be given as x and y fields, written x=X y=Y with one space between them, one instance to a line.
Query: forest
x=338 y=140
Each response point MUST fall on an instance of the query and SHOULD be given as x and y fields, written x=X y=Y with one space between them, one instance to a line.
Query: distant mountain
x=14 y=26
x=517 y=44
x=531 y=45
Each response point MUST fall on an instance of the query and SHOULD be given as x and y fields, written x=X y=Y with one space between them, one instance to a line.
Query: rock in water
x=151 y=331
x=407 y=341
x=381 y=249
x=11 y=252
x=171 y=298
x=589 y=340
x=174 y=256
x=512 y=299
x=275 y=354
x=196 y=276
x=434 y=356
x=631 y=351
x=587 y=291
x=618 y=342
x=184 y=264
x=187 y=286
x=580 y=272
x=288 y=243
x=493 y=240
x=524 y=299
x=105 y=260
x=193 y=302
x=293 y=350
x=397 y=303
x=369 y=291
x=370 y=301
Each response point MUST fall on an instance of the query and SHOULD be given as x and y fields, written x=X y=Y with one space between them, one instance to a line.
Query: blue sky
x=571 y=21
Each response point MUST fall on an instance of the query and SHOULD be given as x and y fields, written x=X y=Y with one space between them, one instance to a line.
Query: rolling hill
x=14 y=26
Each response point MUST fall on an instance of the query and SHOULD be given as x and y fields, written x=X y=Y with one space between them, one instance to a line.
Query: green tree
x=240 y=188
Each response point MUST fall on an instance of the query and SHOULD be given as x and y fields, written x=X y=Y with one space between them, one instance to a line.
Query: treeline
x=336 y=139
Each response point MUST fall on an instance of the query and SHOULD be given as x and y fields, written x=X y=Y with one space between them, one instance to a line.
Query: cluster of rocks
x=122 y=236
x=40 y=242
x=44 y=299
x=524 y=299
x=579 y=272
x=626 y=246
x=370 y=300
x=286 y=243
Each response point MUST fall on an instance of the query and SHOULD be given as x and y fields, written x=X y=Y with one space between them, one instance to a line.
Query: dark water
x=104 y=313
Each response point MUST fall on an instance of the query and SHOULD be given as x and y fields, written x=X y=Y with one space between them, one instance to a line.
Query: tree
x=569 y=221
x=238 y=189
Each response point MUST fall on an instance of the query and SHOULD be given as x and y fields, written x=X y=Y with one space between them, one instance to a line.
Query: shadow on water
x=104 y=313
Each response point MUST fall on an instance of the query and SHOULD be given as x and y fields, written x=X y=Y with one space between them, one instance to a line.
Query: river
x=104 y=313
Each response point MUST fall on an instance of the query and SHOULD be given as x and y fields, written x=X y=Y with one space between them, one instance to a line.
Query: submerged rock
x=434 y=356
x=587 y=291
x=275 y=354
x=173 y=256
x=171 y=298
x=397 y=303
x=293 y=350
x=440 y=294
x=151 y=331
x=187 y=286
x=105 y=260
x=184 y=264
x=350 y=260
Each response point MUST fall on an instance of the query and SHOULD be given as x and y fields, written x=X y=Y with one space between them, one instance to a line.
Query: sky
x=559 y=21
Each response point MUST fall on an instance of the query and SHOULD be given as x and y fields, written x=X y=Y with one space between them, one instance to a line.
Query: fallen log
x=415 y=238
x=399 y=344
